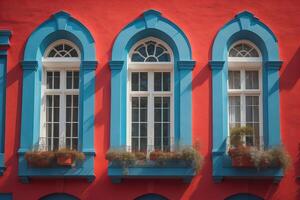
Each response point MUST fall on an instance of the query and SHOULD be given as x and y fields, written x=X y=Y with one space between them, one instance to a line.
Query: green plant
x=41 y=159
x=274 y=157
x=237 y=133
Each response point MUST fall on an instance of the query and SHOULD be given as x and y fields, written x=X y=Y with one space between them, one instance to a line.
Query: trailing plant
x=124 y=158
x=251 y=156
x=274 y=157
x=189 y=155
x=40 y=159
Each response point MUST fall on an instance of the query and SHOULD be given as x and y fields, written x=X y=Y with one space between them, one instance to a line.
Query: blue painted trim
x=152 y=23
x=244 y=26
x=60 y=26
x=59 y=196
x=117 y=173
x=244 y=196
x=4 y=45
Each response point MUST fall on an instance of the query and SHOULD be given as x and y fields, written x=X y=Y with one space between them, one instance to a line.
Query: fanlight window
x=150 y=51
x=63 y=49
x=243 y=50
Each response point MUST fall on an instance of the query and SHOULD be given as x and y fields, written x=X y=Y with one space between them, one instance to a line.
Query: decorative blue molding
x=29 y=65
x=243 y=196
x=60 y=26
x=244 y=27
x=152 y=24
x=59 y=196
x=4 y=45
x=6 y=196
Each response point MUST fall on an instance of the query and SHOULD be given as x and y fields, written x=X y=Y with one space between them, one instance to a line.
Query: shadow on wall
x=291 y=73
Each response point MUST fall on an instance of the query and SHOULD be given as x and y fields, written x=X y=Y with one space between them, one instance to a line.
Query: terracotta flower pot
x=240 y=158
x=65 y=159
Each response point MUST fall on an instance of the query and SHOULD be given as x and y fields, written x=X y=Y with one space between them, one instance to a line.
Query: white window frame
x=244 y=64
x=150 y=68
x=61 y=64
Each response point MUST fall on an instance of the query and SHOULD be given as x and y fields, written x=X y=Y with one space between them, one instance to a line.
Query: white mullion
x=150 y=115
x=129 y=113
x=62 y=114
x=261 y=141
x=172 y=133
x=139 y=121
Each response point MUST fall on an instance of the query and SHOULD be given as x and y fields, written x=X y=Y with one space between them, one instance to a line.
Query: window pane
x=234 y=111
x=56 y=100
x=75 y=100
x=69 y=80
x=56 y=80
x=134 y=81
x=49 y=80
x=234 y=81
x=135 y=144
x=252 y=80
x=143 y=144
x=56 y=130
x=157 y=115
x=143 y=81
x=135 y=115
x=135 y=129
x=166 y=81
x=74 y=143
x=143 y=129
x=135 y=102
x=68 y=129
x=143 y=115
x=75 y=114
x=75 y=130
x=157 y=81
x=56 y=114
x=76 y=80
x=143 y=102
x=68 y=100
x=49 y=101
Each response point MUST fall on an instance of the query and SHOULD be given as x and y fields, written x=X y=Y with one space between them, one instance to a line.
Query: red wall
x=200 y=20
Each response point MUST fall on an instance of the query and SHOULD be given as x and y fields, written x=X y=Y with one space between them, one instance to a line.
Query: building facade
x=141 y=76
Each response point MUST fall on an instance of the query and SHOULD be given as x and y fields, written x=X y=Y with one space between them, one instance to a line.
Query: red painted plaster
x=200 y=20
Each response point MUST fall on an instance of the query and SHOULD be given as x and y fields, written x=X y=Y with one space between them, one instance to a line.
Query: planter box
x=151 y=169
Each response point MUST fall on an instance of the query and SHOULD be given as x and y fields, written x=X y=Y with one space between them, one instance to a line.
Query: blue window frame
x=4 y=45
x=243 y=197
x=244 y=27
x=59 y=196
x=152 y=24
x=60 y=26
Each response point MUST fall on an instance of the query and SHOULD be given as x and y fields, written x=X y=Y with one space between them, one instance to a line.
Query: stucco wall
x=200 y=20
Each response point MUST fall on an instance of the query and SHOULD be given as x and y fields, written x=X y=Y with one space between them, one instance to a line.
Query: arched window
x=245 y=90
x=151 y=197
x=59 y=196
x=150 y=96
x=60 y=96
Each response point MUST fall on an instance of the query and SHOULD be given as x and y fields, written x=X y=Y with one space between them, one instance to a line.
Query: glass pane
x=48 y=114
x=157 y=102
x=135 y=115
x=234 y=109
x=134 y=144
x=166 y=81
x=143 y=144
x=143 y=115
x=166 y=102
x=135 y=102
x=74 y=143
x=68 y=143
x=165 y=57
x=68 y=114
x=234 y=81
x=166 y=130
x=56 y=130
x=75 y=100
x=252 y=80
x=49 y=101
x=49 y=80
x=134 y=81
x=76 y=80
x=150 y=48
x=137 y=58
x=69 y=80
x=56 y=100
x=68 y=130
x=55 y=144
x=157 y=115
x=56 y=80
x=166 y=143
x=143 y=81
x=157 y=143
x=135 y=129
x=49 y=130
x=75 y=114
x=157 y=130
x=75 y=130
x=144 y=101
x=157 y=81
x=143 y=129
x=166 y=115
x=56 y=114
x=69 y=100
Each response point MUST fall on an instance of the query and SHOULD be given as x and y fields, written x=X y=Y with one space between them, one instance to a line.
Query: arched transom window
x=151 y=51
x=150 y=97
x=62 y=48
x=245 y=92
x=60 y=96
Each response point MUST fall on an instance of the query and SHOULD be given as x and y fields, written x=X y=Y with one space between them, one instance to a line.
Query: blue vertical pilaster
x=4 y=45
x=185 y=100
x=87 y=101
x=116 y=105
